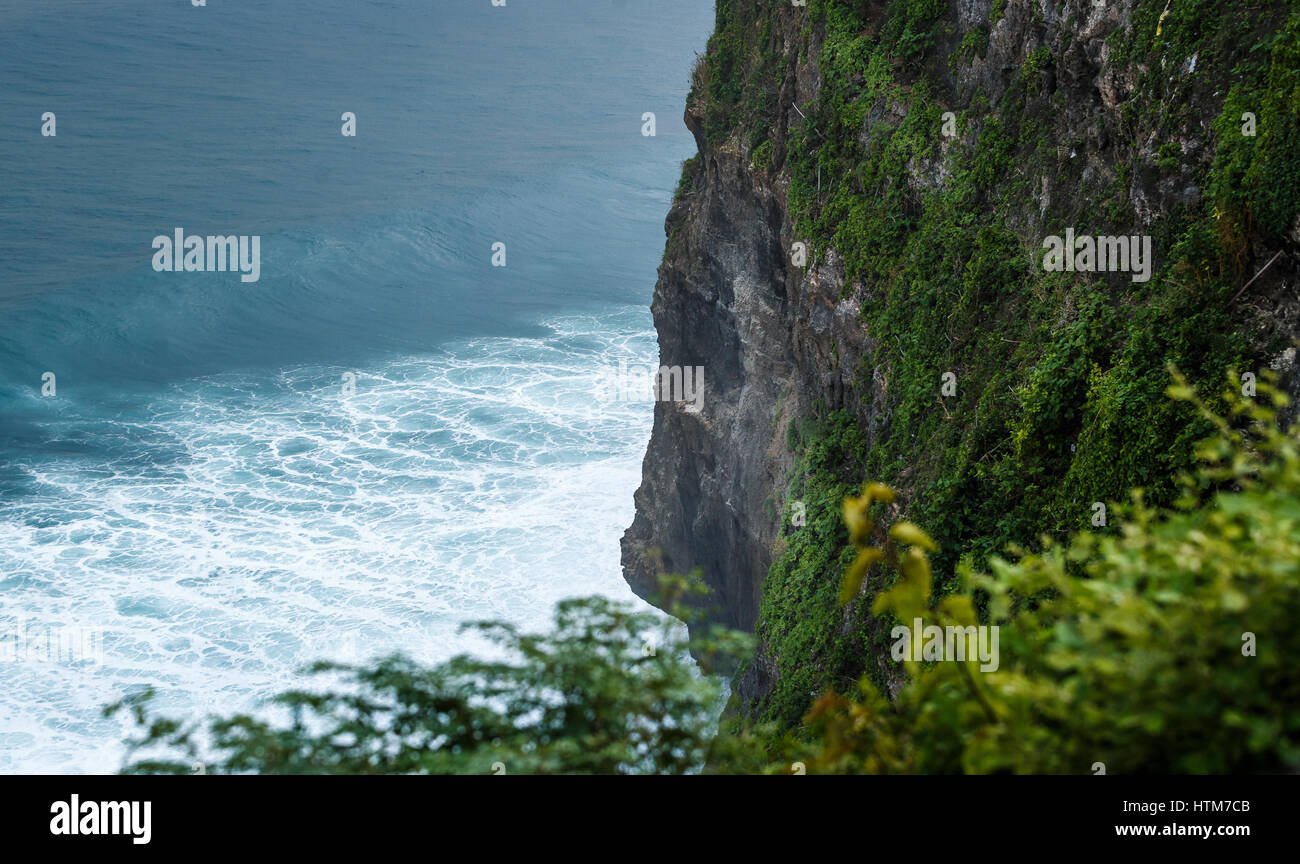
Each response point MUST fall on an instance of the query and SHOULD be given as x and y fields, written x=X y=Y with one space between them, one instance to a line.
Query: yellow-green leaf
x=856 y=573
x=907 y=532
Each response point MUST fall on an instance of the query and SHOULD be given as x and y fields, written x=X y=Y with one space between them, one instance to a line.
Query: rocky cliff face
x=729 y=300
x=780 y=342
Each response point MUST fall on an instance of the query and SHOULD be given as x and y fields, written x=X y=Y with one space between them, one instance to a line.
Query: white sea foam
x=292 y=522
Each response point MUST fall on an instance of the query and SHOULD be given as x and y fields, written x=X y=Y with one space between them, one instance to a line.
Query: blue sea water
x=202 y=488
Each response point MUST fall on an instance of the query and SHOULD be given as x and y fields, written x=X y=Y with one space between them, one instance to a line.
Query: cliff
x=921 y=152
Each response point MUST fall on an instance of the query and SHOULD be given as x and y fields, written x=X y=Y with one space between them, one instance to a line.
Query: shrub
x=1163 y=646
x=610 y=690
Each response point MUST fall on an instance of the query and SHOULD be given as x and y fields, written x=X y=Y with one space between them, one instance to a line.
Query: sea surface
x=213 y=482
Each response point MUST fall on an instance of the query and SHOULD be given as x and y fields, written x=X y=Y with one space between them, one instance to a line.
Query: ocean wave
x=230 y=529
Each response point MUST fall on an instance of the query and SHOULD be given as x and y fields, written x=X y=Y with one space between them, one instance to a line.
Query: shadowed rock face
x=719 y=303
x=728 y=299
x=778 y=342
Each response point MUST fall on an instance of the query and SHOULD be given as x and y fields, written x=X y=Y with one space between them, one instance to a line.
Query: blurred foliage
x=610 y=690
x=1162 y=647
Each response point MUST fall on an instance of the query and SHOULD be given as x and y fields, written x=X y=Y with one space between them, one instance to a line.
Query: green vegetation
x=610 y=690
x=738 y=78
x=1059 y=376
x=1159 y=649
x=799 y=617
x=684 y=182
x=997 y=10
x=910 y=27
x=1257 y=177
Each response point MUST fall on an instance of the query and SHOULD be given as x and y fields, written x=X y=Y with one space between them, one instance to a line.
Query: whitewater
x=382 y=438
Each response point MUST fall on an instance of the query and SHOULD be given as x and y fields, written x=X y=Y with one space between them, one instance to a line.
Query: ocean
x=212 y=482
